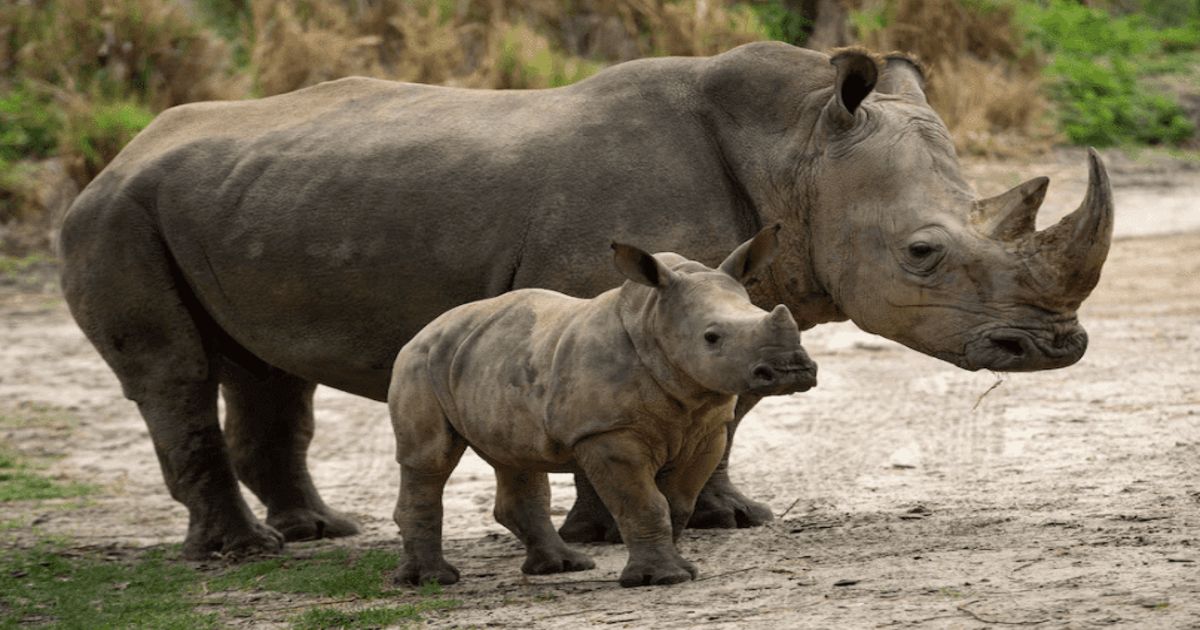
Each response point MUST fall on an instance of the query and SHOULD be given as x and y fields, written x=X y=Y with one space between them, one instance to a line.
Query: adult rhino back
x=294 y=219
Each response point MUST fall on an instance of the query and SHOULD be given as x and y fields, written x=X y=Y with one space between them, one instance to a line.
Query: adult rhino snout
x=784 y=374
x=1020 y=350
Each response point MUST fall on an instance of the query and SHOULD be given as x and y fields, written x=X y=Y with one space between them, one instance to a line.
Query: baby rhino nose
x=792 y=372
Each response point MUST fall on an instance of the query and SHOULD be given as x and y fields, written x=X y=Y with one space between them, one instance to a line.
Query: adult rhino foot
x=588 y=525
x=310 y=524
x=415 y=573
x=657 y=570
x=722 y=506
x=256 y=539
x=563 y=560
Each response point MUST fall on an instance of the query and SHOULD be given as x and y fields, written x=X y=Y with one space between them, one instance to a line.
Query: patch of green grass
x=43 y=587
x=20 y=482
x=1096 y=71
x=331 y=573
x=379 y=617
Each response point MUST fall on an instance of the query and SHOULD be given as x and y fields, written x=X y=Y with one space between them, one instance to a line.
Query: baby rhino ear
x=641 y=267
x=753 y=256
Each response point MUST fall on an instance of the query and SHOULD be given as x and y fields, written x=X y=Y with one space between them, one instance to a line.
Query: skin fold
x=632 y=389
x=254 y=249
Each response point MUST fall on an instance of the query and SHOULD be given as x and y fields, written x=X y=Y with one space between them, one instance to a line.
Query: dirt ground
x=904 y=495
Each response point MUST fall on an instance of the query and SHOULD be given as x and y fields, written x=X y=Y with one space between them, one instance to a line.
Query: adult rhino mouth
x=1025 y=350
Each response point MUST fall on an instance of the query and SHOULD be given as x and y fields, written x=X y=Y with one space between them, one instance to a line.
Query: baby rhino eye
x=920 y=250
x=711 y=338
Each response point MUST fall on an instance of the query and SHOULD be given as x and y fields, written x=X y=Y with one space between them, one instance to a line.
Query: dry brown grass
x=151 y=50
x=492 y=44
x=987 y=90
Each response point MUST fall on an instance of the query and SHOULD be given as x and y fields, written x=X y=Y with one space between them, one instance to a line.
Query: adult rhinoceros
x=267 y=246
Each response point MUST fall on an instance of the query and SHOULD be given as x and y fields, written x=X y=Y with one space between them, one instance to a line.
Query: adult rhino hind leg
x=588 y=520
x=119 y=284
x=268 y=427
x=720 y=504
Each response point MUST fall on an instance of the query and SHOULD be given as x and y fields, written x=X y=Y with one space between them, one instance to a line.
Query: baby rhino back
x=489 y=367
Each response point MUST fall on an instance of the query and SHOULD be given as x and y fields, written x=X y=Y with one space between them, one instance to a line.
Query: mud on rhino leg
x=523 y=506
x=268 y=426
x=720 y=504
x=137 y=314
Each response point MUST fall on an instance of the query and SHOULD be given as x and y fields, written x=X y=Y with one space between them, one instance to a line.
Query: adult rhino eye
x=923 y=257
x=921 y=250
x=712 y=338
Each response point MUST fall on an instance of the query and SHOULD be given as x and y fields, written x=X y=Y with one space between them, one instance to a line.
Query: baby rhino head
x=706 y=327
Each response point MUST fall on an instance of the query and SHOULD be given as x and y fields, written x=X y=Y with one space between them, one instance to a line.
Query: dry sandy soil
x=908 y=492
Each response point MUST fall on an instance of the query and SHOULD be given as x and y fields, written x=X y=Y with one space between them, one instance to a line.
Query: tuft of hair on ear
x=921 y=67
x=846 y=51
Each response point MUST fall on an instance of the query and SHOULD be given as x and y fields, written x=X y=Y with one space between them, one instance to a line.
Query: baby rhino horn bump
x=781 y=318
x=1012 y=214
x=1074 y=249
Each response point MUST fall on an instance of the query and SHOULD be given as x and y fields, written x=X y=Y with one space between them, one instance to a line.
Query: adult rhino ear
x=903 y=76
x=857 y=72
x=641 y=267
x=753 y=256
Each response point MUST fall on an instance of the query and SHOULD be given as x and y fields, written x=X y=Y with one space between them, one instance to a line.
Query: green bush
x=29 y=125
x=98 y=130
x=1097 y=61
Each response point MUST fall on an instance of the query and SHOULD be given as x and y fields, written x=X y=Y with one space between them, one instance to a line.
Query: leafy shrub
x=1097 y=61
x=96 y=131
x=29 y=125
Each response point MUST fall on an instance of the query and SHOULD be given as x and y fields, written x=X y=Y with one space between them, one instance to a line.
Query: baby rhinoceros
x=634 y=388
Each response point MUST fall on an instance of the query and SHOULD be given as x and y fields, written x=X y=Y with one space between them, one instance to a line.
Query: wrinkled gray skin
x=633 y=389
x=266 y=246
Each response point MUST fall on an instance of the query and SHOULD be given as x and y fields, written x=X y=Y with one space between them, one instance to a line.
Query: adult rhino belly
x=324 y=264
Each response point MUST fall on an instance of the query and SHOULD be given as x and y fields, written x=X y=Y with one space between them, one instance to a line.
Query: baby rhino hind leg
x=427 y=449
x=523 y=506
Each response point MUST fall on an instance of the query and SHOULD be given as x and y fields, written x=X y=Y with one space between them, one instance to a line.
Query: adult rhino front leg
x=268 y=426
x=720 y=504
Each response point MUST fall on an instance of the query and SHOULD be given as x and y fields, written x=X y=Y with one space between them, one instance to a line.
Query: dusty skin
x=1069 y=497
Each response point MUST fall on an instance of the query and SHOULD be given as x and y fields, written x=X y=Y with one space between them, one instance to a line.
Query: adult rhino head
x=900 y=244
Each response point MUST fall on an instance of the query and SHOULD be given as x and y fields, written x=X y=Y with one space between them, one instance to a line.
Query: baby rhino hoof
x=556 y=561
x=413 y=573
x=662 y=571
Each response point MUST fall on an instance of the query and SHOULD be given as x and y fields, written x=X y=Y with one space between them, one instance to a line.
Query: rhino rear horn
x=1073 y=250
x=903 y=76
x=1012 y=214
x=753 y=256
x=857 y=72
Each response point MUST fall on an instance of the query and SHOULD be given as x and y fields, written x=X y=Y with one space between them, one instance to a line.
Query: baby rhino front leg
x=622 y=472
x=523 y=506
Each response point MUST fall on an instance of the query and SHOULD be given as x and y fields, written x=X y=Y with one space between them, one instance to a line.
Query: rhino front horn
x=1073 y=250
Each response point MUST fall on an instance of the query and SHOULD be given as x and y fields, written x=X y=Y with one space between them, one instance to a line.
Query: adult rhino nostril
x=1011 y=346
x=764 y=373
